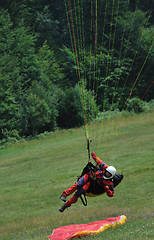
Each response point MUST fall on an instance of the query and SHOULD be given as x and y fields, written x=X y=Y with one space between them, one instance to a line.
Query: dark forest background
x=56 y=54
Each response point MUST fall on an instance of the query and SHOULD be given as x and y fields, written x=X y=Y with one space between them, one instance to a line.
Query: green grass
x=34 y=173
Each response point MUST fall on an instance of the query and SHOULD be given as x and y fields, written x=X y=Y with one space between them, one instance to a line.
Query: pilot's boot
x=62 y=208
x=63 y=197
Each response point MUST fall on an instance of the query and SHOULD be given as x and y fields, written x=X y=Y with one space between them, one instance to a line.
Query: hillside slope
x=34 y=173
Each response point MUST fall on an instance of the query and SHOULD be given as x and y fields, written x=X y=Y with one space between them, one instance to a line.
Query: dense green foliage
x=50 y=49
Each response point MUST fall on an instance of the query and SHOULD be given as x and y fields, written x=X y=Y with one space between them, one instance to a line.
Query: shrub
x=136 y=105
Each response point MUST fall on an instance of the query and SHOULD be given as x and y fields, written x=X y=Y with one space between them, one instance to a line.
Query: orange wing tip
x=122 y=220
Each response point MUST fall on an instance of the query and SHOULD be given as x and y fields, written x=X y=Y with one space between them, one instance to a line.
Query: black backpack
x=95 y=189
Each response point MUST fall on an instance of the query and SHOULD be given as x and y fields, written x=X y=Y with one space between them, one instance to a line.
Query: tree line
x=56 y=54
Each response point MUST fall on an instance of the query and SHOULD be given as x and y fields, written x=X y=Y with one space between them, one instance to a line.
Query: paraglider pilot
x=103 y=176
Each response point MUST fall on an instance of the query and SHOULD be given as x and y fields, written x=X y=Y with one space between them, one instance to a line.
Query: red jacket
x=105 y=183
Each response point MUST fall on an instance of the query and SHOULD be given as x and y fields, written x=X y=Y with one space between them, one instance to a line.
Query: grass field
x=34 y=173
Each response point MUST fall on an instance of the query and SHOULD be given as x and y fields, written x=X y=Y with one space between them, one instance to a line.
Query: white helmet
x=110 y=170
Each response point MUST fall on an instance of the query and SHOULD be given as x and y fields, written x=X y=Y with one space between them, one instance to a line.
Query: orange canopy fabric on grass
x=79 y=230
